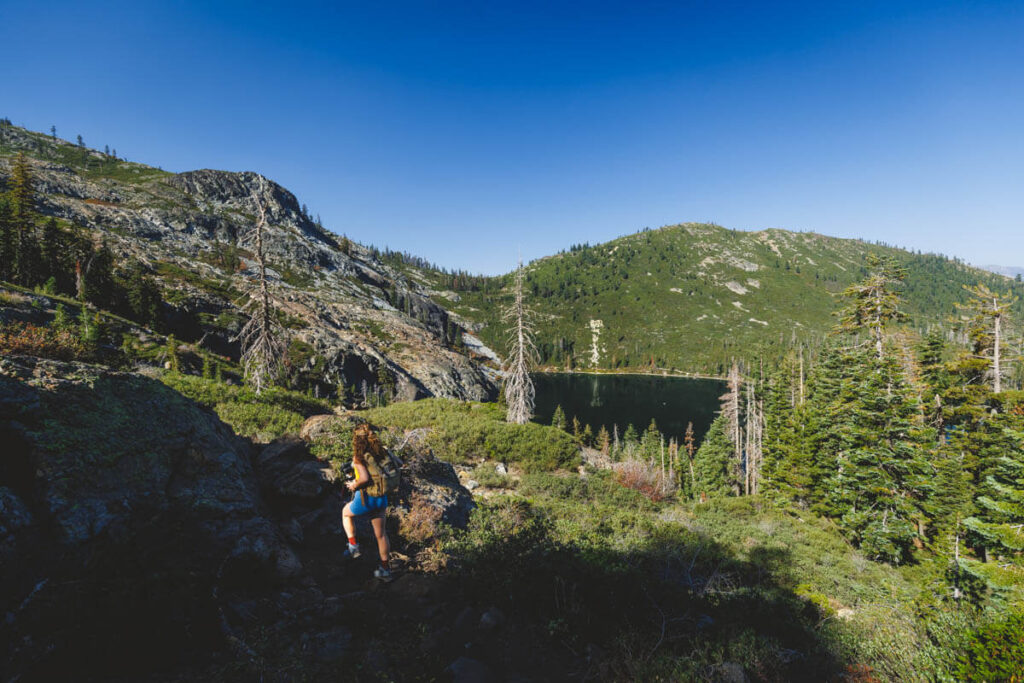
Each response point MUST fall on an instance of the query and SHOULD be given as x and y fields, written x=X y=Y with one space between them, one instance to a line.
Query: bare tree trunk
x=997 y=382
x=519 y=391
x=691 y=449
x=731 y=411
x=801 y=375
x=262 y=337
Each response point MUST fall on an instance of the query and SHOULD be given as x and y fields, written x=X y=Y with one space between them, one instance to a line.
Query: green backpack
x=385 y=472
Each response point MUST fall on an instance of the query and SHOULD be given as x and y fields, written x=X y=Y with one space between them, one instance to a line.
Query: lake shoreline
x=663 y=373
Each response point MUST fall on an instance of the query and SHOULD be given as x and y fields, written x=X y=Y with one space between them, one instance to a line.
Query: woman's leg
x=381 y=532
x=347 y=521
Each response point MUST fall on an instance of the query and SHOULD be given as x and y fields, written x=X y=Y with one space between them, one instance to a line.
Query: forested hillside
x=693 y=297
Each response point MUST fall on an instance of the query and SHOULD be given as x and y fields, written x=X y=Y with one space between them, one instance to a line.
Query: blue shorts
x=364 y=504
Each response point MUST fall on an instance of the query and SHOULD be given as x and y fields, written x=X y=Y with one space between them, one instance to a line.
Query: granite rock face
x=362 y=318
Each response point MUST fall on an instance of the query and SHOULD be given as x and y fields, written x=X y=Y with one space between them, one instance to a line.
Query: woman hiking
x=369 y=497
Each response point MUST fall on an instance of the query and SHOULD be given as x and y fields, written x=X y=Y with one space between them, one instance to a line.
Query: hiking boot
x=352 y=551
x=383 y=574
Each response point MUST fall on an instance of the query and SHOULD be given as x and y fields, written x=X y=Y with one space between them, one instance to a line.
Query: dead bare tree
x=519 y=391
x=262 y=339
x=730 y=401
x=985 y=320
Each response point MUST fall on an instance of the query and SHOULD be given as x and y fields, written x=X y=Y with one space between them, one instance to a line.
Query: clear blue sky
x=464 y=131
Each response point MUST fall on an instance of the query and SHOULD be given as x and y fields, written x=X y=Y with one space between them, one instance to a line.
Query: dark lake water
x=630 y=399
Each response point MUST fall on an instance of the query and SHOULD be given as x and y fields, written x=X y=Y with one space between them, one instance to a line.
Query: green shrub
x=258 y=420
x=266 y=416
x=486 y=475
x=995 y=652
x=463 y=431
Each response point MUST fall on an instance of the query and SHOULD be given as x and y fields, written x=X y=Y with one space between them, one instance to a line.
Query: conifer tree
x=714 y=473
x=880 y=481
x=985 y=317
x=603 y=440
x=8 y=248
x=651 y=440
x=172 y=354
x=51 y=250
x=874 y=303
x=21 y=198
x=144 y=297
x=61 y=319
x=789 y=464
x=558 y=418
x=1000 y=518
x=98 y=278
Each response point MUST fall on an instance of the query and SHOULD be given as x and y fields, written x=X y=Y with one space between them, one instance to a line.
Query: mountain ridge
x=692 y=297
x=360 y=321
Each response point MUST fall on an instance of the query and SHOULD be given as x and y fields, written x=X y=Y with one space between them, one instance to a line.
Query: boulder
x=129 y=518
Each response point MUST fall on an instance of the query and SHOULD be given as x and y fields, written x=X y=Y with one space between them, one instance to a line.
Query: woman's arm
x=362 y=477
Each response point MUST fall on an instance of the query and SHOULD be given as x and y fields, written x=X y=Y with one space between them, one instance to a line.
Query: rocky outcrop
x=139 y=534
x=363 y=319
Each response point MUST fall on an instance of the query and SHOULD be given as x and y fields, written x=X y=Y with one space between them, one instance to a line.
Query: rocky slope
x=141 y=539
x=358 y=314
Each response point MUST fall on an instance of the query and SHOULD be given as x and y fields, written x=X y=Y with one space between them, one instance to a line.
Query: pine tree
x=21 y=198
x=8 y=243
x=874 y=303
x=558 y=418
x=99 y=278
x=144 y=296
x=713 y=463
x=985 y=318
x=603 y=440
x=1000 y=518
x=89 y=328
x=650 y=441
x=52 y=248
x=173 y=363
x=61 y=319
x=789 y=470
x=880 y=482
x=630 y=439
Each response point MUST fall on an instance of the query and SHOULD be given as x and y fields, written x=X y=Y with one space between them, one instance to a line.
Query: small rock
x=466 y=670
x=283 y=447
x=501 y=469
x=292 y=530
x=13 y=513
x=492 y=619
x=329 y=646
x=434 y=641
x=730 y=672
x=465 y=621
x=472 y=484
